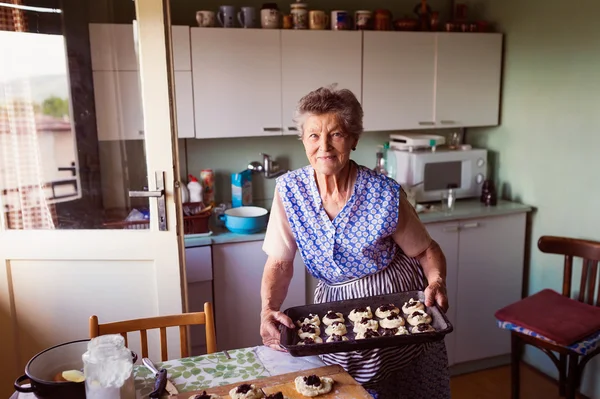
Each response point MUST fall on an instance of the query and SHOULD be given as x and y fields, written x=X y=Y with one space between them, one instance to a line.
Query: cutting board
x=344 y=387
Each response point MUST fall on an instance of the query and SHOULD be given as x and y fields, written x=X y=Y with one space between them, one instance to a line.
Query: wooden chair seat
x=572 y=358
x=161 y=322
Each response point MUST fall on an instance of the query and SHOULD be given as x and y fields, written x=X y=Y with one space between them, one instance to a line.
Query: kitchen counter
x=464 y=209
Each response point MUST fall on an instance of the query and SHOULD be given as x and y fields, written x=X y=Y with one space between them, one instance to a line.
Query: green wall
x=547 y=147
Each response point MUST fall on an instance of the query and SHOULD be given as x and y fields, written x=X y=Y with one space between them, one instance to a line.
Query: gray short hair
x=343 y=103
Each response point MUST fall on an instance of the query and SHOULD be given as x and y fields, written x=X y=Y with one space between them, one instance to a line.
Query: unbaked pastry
x=337 y=338
x=412 y=305
x=393 y=321
x=310 y=341
x=367 y=334
x=331 y=317
x=313 y=385
x=390 y=332
x=338 y=328
x=366 y=324
x=205 y=396
x=418 y=317
x=386 y=310
x=360 y=313
x=309 y=330
x=276 y=395
x=421 y=328
x=246 y=391
x=311 y=319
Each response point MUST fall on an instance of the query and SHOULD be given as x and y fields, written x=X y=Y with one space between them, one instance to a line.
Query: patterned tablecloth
x=202 y=372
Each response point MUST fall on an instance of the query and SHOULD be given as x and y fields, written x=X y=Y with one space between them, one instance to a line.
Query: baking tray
x=289 y=338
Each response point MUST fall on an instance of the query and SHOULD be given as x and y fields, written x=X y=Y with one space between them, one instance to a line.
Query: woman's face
x=327 y=146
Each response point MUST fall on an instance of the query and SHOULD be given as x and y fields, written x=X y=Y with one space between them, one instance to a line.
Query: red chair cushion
x=554 y=316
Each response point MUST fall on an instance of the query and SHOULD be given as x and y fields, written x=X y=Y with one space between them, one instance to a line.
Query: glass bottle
x=380 y=162
x=389 y=160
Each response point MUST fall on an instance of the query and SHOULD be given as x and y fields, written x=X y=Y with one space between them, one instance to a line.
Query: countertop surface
x=465 y=209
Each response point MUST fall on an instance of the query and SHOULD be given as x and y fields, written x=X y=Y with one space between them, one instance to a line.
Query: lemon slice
x=73 y=376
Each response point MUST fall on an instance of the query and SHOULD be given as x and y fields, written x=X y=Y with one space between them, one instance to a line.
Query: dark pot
x=43 y=367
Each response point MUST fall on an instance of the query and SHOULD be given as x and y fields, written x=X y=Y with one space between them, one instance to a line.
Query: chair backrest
x=572 y=247
x=162 y=322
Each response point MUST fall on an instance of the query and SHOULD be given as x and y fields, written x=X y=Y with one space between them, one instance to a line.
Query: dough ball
x=418 y=317
x=245 y=391
x=338 y=328
x=421 y=328
x=360 y=313
x=412 y=305
x=276 y=395
x=331 y=317
x=205 y=396
x=337 y=338
x=393 y=321
x=311 y=319
x=366 y=324
x=311 y=341
x=367 y=334
x=386 y=310
x=313 y=385
x=309 y=330
x=390 y=332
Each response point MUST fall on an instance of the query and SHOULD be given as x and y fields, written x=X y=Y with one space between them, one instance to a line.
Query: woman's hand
x=269 y=327
x=436 y=293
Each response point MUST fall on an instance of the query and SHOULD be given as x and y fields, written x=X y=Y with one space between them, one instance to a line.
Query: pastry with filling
x=310 y=341
x=205 y=396
x=421 y=328
x=366 y=324
x=360 y=313
x=246 y=391
x=337 y=338
x=390 y=332
x=367 y=334
x=386 y=310
x=311 y=319
x=418 y=317
x=331 y=317
x=393 y=321
x=276 y=395
x=309 y=330
x=313 y=385
x=412 y=305
x=338 y=328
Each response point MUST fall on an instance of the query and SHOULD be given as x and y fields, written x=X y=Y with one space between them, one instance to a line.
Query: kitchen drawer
x=198 y=264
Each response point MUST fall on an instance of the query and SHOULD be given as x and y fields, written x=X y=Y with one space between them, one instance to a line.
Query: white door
x=311 y=59
x=61 y=261
x=469 y=68
x=237 y=82
x=398 y=80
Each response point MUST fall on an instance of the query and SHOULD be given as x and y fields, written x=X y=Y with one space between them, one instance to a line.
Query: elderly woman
x=359 y=236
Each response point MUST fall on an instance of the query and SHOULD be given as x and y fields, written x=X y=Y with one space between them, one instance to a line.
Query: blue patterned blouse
x=358 y=241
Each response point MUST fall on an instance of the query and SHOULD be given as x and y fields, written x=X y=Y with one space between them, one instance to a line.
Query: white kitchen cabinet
x=199 y=275
x=184 y=103
x=238 y=269
x=113 y=47
x=311 y=59
x=398 y=80
x=446 y=235
x=469 y=68
x=490 y=277
x=237 y=82
x=118 y=105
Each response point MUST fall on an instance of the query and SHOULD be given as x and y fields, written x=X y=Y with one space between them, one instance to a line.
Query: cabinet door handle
x=292 y=128
x=272 y=129
x=451 y=229
x=471 y=225
x=446 y=122
x=426 y=123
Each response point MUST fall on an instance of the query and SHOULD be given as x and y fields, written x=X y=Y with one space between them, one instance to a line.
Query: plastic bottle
x=380 y=162
x=389 y=160
x=195 y=189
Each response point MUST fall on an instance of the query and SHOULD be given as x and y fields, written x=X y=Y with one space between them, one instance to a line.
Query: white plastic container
x=195 y=189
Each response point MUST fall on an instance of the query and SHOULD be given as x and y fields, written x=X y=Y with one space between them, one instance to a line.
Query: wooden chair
x=570 y=363
x=161 y=322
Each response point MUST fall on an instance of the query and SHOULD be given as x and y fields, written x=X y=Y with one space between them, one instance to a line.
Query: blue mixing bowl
x=245 y=219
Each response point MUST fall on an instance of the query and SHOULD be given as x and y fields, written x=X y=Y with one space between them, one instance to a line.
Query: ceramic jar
x=383 y=20
x=299 y=15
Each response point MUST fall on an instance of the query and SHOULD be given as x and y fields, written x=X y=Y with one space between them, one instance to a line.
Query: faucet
x=269 y=167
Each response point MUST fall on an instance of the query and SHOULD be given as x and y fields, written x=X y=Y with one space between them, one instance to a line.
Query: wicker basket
x=196 y=224
x=128 y=225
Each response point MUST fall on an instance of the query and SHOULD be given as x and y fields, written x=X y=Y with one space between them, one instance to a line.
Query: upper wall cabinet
x=311 y=59
x=237 y=82
x=469 y=67
x=398 y=80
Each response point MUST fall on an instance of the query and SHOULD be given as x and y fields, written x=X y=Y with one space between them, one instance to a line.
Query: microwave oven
x=430 y=173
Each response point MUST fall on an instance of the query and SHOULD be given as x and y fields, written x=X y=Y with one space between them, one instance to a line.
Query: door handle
x=272 y=129
x=471 y=225
x=159 y=194
x=450 y=229
x=447 y=122
x=426 y=123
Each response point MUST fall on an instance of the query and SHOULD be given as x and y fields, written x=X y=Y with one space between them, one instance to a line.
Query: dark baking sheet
x=289 y=338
